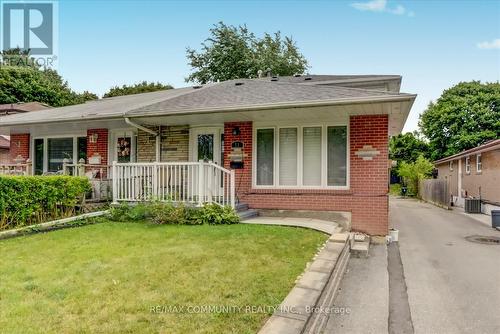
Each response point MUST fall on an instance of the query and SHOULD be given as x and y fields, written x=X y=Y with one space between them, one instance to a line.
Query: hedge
x=27 y=200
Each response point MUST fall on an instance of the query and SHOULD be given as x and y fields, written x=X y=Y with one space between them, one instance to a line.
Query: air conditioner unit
x=472 y=205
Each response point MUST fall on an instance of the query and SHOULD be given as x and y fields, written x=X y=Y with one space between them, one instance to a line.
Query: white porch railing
x=16 y=169
x=194 y=183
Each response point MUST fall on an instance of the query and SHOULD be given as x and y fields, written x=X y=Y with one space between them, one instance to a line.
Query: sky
x=432 y=44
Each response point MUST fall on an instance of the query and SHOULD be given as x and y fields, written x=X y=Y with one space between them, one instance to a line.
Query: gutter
x=472 y=151
x=140 y=127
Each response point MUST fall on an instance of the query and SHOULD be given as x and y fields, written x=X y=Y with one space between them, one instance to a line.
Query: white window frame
x=479 y=165
x=46 y=148
x=467 y=165
x=324 y=158
x=451 y=166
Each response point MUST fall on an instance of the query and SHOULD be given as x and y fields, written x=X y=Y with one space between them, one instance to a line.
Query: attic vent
x=238 y=83
x=197 y=87
x=308 y=78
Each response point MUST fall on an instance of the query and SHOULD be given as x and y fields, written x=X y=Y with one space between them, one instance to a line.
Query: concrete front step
x=360 y=248
x=247 y=214
x=241 y=207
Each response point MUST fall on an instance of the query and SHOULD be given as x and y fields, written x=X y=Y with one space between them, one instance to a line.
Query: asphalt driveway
x=453 y=284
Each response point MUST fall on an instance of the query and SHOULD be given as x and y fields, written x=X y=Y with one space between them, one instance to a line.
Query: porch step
x=360 y=245
x=247 y=214
x=241 y=207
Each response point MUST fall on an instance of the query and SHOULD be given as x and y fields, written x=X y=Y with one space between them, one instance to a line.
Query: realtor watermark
x=29 y=33
x=252 y=309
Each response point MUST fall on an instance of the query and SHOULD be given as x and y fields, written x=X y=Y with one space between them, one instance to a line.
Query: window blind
x=288 y=156
x=311 y=156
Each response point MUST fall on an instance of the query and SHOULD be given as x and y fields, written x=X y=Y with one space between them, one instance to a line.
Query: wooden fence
x=435 y=191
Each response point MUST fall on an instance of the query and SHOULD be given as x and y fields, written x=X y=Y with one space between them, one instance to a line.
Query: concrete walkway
x=315 y=224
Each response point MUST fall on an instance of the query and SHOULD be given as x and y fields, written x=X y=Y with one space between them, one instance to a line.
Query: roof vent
x=308 y=78
x=274 y=79
x=297 y=75
x=197 y=87
x=238 y=83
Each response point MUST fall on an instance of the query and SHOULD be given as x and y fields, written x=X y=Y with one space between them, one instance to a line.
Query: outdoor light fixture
x=236 y=131
x=93 y=138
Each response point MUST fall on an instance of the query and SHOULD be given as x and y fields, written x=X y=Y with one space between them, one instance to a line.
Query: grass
x=395 y=189
x=106 y=278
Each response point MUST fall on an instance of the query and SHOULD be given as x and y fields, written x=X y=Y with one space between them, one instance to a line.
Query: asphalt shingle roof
x=251 y=93
x=229 y=94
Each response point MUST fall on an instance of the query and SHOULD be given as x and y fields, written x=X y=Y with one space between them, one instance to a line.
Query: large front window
x=303 y=157
x=49 y=153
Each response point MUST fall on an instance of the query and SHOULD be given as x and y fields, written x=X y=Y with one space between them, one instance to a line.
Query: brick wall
x=367 y=198
x=174 y=144
x=100 y=147
x=244 y=175
x=20 y=145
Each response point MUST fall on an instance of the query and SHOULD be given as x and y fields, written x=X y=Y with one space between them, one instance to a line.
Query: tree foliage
x=27 y=84
x=22 y=80
x=465 y=116
x=142 y=87
x=408 y=147
x=413 y=172
x=234 y=52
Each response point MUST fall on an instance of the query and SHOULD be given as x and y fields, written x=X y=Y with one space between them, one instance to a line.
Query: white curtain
x=288 y=156
x=311 y=156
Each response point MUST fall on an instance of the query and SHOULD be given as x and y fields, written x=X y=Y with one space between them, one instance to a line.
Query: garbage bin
x=495 y=218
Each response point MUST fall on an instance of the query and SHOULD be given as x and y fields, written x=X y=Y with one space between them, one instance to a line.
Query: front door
x=206 y=145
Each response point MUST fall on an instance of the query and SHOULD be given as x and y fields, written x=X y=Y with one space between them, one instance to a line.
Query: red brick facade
x=20 y=145
x=367 y=198
x=100 y=147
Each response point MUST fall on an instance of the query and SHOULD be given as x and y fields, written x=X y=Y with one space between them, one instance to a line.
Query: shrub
x=216 y=215
x=27 y=200
x=413 y=172
x=167 y=213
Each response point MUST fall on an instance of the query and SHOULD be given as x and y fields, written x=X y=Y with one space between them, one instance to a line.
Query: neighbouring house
x=4 y=150
x=21 y=107
x=312 y=142
x=473 y=173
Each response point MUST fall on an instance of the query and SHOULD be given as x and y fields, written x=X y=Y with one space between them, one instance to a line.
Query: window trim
x=478 y=168
x=451 y=165
x=467 y=165
x=300 y=130
x=46 y=148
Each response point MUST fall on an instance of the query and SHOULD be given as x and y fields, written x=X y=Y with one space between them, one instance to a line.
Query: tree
x=28 y=84
x=413 y=172
x=465 y=116
x=234 y=52
x=143 y=87
x=408 y=147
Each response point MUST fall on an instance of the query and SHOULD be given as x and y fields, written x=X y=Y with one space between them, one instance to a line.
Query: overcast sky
x=432 y=44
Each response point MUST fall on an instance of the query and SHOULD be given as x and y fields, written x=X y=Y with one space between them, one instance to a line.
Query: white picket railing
x=194 y=183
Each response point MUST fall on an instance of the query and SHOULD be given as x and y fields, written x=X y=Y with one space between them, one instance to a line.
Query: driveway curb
x=304 y=310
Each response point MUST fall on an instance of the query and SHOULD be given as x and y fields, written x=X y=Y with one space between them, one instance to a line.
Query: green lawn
x=105 y=278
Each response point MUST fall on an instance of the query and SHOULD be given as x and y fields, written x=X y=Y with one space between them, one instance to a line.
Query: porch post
x=201 y=182
x=233 y=189
x=115 y=183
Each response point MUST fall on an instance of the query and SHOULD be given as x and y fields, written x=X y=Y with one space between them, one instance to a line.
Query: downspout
x=145 y=129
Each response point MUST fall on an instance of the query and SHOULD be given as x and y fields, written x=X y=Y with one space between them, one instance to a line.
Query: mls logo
x=28 y=26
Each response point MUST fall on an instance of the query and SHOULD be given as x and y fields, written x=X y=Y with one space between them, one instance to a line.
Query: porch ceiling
x=397 y=111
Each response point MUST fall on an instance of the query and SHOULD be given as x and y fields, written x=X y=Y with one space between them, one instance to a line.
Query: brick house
x=314 y=142
x=4 y=150
x=473 y=173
